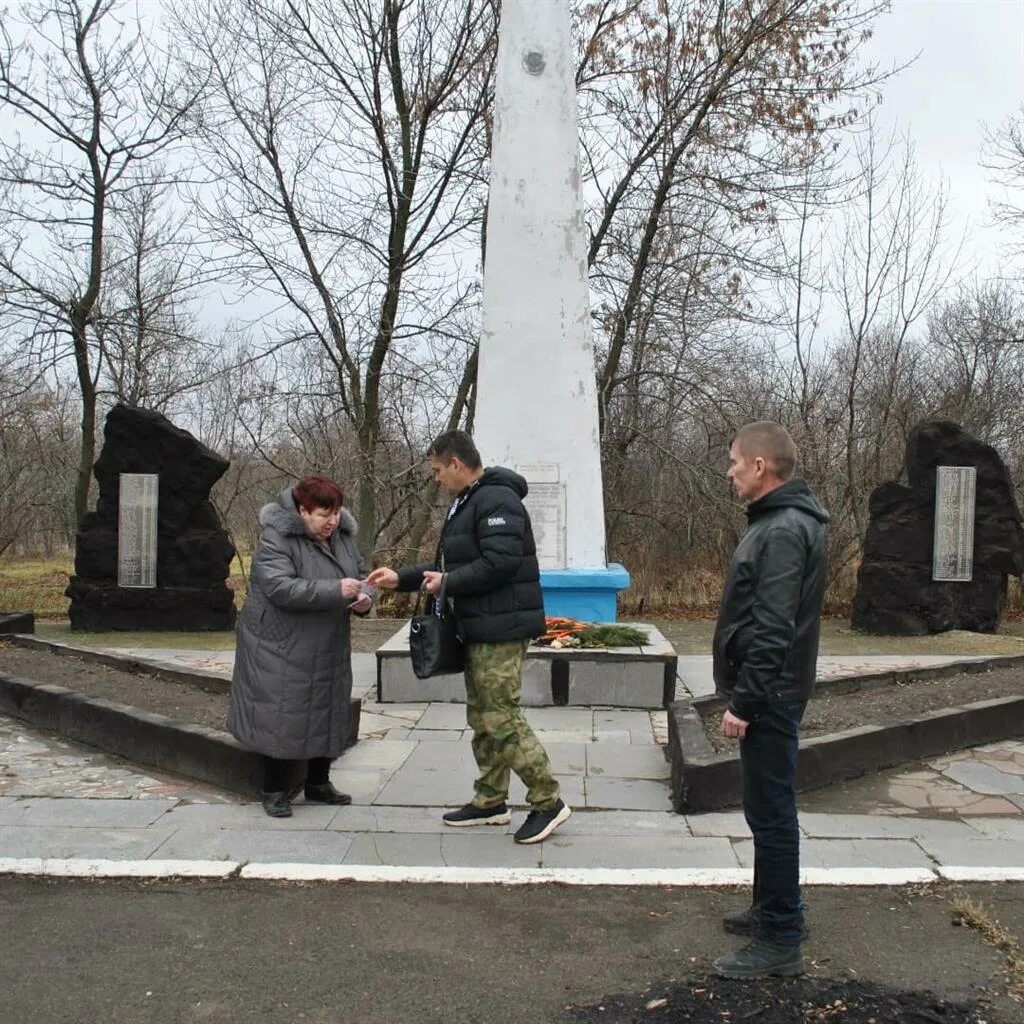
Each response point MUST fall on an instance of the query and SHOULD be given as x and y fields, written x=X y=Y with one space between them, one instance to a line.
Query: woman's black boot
x=325 y=793
x=277 y=805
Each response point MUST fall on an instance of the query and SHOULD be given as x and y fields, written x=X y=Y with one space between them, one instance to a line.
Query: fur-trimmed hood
x=284 y=517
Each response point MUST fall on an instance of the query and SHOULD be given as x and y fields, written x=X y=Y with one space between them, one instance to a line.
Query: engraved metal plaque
x=137 y=530
x=546 y=505
x=539 y=472
x=953 y=551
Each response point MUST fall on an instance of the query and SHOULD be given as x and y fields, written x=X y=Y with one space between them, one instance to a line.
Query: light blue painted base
x=585 y=594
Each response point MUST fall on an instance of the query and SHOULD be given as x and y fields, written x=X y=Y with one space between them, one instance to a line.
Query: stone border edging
x=158 y=669
x=142 y=737
x=53 y=867
x=703 y=780
x=17 y=622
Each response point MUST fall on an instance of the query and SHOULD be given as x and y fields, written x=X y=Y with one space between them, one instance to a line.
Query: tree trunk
x=87 y=448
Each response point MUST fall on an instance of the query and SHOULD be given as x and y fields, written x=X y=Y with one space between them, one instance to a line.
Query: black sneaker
x=470 y=814
x=761 y=959
x=540 y=824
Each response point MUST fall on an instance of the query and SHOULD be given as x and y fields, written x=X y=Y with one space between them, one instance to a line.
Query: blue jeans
x=768 y=756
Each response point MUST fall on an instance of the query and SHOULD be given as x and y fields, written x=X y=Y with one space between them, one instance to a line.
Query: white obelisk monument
x=536 y=405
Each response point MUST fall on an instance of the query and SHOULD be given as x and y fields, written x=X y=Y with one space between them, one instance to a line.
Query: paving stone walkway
x=64 y=807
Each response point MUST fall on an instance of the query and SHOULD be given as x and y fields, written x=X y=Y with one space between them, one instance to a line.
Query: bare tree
x=1003 y=157
x=150 y=345
x=977 y=366
x=699 y=118
x=892 y=265
x=90 y=107
x=37 y=441
x=347 y=138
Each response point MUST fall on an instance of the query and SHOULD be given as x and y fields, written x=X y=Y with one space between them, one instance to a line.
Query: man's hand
x=384 y=578
x=432 y=581
x=733 y=727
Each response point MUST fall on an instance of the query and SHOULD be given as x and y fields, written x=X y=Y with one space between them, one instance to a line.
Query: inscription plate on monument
x=545 y=502
x=137 y=530
x=953 y=551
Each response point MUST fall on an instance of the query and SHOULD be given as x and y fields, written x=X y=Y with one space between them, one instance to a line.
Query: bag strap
x=440 y=608
x=431 y=602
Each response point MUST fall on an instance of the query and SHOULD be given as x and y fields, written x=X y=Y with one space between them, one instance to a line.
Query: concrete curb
x=705 y=781
x=367 y=873
x=157 y=669
x=142 y=737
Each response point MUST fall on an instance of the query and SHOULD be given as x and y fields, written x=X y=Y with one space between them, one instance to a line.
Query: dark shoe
x=540 y=824
x=761 y=959
x=326 y=794
x=277 y=805
x=740 y=922
x=743 y=922
x=473 y=815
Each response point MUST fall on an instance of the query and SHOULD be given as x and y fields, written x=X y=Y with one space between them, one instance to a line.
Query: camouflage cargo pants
x=503 y=741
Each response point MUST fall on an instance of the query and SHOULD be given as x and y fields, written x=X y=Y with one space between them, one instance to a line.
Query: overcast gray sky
x=970 y=73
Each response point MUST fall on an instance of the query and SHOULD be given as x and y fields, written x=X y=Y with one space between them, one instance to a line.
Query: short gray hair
x=772 y=442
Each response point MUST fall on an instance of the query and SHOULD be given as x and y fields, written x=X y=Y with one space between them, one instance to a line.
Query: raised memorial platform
x=621 y=677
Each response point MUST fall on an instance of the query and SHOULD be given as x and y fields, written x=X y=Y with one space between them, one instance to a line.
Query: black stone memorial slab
x=193 y=550
x=896 y=589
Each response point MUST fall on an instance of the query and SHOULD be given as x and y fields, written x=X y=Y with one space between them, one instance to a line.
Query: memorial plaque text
x=137 y=530
x=953 y=551
x=546 y=504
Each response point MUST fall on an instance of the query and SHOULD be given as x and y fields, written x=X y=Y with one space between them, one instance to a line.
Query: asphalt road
x=121 y=952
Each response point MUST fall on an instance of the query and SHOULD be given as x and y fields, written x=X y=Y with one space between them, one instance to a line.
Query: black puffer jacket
x=490 y=560
x=766 y=640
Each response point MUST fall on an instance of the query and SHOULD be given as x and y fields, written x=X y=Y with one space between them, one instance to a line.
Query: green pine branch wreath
x=570 y=633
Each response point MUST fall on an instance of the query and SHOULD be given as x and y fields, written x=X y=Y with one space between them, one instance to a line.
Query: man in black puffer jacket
x=765 y=657
x=487 y=561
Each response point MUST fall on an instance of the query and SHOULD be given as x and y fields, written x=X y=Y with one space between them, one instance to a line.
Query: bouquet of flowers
x=568 y=633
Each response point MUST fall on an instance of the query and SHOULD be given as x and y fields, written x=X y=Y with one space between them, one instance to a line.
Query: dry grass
x=969 y=914
x=35 y=585
x=38 y=586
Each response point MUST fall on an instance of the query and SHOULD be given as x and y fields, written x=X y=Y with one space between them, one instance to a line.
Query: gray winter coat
x=292 y=681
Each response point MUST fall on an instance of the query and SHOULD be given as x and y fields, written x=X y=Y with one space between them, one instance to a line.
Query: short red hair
x=317 y=492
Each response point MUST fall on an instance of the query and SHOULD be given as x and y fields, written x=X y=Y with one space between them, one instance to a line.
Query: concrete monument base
x=621 y=677
x=584 y=594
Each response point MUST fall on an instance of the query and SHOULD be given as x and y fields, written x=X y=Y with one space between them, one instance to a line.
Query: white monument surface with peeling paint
x=536 y=407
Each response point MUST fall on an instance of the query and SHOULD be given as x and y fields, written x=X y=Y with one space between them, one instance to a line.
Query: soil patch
x=198 y=703
x=883 y=705
x=800 y=1001
x=207 y=703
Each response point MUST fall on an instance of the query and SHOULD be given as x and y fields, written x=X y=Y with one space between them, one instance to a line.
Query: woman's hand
x=362 y=604
x=384 y=578
x=351 y=588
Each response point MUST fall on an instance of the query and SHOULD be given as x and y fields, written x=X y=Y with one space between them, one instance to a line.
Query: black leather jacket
x=766 y=640
x=489 y=557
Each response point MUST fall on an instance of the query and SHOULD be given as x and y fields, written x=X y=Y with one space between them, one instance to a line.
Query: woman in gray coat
x=292 y=681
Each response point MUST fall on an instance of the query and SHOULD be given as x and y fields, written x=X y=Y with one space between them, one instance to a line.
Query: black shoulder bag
x=434 y=644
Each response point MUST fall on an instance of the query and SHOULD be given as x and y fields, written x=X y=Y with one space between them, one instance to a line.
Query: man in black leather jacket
x=765 y=656
x=487 y=560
